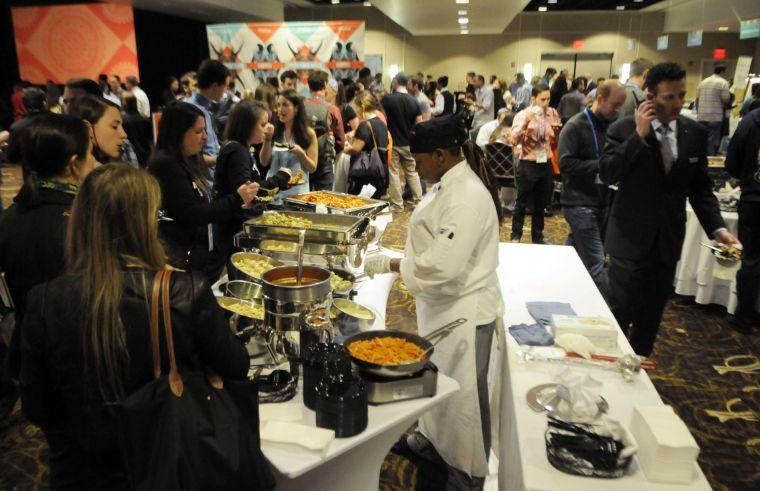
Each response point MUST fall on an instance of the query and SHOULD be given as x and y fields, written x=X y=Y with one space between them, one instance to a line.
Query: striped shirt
x=712 y=96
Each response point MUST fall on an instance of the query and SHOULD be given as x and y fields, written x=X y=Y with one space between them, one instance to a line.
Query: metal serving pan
x=370 y=209
x=326 y=228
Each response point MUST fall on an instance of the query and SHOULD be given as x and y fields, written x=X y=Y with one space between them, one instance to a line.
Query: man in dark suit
x=658 y=159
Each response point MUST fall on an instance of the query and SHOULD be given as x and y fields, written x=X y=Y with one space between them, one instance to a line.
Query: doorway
x=590 y=65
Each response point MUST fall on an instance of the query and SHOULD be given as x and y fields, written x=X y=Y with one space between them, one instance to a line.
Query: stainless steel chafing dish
x=325 y=229
x=370 y=209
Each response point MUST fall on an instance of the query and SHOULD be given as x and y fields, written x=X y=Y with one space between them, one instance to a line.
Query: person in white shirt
x=449 y=265
x=484 y=104
x=487 y=131
x=712 y=98
x=143 y=104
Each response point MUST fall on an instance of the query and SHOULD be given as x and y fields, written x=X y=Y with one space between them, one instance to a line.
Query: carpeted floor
x=710 y=375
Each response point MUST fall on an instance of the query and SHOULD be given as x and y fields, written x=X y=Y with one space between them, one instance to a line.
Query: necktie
x=665 y=150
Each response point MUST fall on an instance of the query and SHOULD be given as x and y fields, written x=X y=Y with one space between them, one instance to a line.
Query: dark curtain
x=167 y=45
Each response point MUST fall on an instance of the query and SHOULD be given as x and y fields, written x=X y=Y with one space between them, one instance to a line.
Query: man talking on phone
x=659 y=159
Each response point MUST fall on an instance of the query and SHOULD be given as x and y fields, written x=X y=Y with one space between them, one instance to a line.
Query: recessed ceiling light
x=463 y=20
x=367 y=4
x=542 y=9
x=620 y=7
x=550 y=2
x=462 y=1
x=464 y=31
x=723 y=28
x=462 y=12
x=334 y=2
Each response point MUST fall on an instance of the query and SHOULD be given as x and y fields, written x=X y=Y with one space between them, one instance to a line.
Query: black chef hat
x=438 y=133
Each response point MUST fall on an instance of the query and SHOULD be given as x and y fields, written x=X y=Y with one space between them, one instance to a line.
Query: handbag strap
x=175 y=381
x=372 y=132
x=155 y=293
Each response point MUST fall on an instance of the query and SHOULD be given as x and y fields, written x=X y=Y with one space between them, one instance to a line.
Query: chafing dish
x=370 y=209
x=325 y=229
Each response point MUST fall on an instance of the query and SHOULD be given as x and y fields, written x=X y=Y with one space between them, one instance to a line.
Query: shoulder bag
x=368 y=165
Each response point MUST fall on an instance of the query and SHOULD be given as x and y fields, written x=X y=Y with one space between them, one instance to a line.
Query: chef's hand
x=645 y=114
x=723 y=236
x=379 y=264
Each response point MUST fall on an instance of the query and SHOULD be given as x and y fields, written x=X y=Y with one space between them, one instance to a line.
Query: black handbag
x=191 y=431
x=368 y=166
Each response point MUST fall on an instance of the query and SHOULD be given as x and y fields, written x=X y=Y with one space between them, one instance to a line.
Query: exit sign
x=719 y=54
x=578 y=44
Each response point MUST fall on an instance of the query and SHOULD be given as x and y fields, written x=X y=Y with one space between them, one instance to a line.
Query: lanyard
x=539 y=128
x=593 y=131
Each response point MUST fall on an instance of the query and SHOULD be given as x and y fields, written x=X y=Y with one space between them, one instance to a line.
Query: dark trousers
x=639 y=290
x=714 y=135
x=534 y=184
x=748 y=276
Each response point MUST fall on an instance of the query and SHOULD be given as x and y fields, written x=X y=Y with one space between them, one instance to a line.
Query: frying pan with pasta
x=407 y=344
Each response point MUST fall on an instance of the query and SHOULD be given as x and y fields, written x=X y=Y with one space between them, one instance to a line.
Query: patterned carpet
x=706 y=371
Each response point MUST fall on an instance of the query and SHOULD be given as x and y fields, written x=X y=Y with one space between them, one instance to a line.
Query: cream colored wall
x=523 y=41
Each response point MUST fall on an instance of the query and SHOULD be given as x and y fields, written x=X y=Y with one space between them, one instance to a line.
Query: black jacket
x=32 y=244
x=234 y=167
x=448 y=103
x=185 y=237
x=648 y=216
x=579 y=161
x=743 y=157
x=59 y=390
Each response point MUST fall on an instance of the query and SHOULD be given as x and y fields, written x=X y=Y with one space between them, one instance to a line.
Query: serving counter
x=556 y=273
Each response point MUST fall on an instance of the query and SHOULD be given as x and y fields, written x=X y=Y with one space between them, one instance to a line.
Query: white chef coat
x=450 y=264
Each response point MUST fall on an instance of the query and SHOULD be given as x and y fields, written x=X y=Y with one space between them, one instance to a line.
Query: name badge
x=541 y=155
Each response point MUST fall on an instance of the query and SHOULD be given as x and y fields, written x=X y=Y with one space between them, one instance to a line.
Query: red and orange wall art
x=61 y=42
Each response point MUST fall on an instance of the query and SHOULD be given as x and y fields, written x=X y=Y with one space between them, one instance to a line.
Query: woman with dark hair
x=236 y=165
x=138 y=128
x=293 y=143
x=559 y=88
x=87 y=344
x=171 y=90
x=106 y=129
x=188 y=212
x=57 y=149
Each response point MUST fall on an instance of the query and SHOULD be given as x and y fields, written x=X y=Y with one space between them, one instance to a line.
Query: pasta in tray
x=332 y=200
x=386 y=351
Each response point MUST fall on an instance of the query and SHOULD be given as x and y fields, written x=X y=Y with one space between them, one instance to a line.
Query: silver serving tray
x=371 y=209
x=339 y=229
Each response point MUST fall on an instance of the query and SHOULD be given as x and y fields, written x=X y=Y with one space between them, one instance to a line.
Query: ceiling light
x=723 y=28
x=462 y=12
x=550 y=2
x=367 y=4
x=620 y=7
x=334 y=2
x=462 y=1
x=542 y=9
x=464 y=31
x=463 y=20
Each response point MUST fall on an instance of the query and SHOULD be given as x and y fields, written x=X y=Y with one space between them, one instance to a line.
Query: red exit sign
x=578 y=44
x=719 y=54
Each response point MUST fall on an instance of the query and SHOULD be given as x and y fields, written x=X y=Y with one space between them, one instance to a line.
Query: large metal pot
x=286 y=305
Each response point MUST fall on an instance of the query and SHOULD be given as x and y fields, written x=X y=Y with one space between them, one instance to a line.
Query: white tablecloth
x=556 y=273
x=351 y=464
x=698 y=274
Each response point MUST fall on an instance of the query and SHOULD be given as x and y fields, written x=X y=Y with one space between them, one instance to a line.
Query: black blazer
x=648 y=215
x=185 y=237
x=59 y=389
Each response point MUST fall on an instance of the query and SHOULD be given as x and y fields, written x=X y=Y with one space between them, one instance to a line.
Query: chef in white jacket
x=449 y=265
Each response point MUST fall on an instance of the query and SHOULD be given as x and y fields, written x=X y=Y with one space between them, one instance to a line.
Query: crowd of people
x=104 y=204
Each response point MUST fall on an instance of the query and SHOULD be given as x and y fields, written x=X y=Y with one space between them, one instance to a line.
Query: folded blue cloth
x=543 y=311
x=531 y=335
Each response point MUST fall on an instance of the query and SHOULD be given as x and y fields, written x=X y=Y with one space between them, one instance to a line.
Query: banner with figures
x=257 y=51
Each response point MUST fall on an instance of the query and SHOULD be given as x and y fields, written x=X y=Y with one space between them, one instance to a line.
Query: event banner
x=62 y=42
x=258 y=51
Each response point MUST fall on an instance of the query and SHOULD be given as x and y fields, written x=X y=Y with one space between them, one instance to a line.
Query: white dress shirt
x=143 y=104
x=484 y=98
x=439 y=104
x=485 y=132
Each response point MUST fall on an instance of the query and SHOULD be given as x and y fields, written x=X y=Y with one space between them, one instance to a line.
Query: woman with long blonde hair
x=372 y=133
x=87 y=343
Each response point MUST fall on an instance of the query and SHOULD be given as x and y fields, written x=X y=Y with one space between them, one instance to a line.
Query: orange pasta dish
x=386 y=351
x=333 y=200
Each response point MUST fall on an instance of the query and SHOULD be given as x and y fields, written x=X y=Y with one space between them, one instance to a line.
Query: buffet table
x=353 y=463
x=698 y=274
x=556 y=273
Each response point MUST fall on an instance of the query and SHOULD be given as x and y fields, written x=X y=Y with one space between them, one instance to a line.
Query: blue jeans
x=586 y=236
